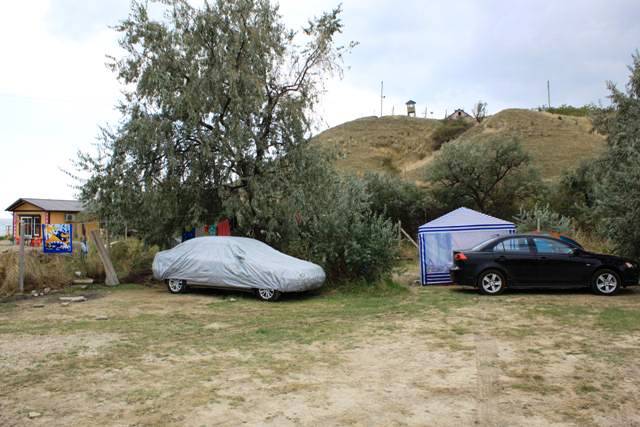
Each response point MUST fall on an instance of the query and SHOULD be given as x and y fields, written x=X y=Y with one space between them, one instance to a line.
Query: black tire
x=492 y=282
x=270 y=295
x=177 y=286
x=606 y=282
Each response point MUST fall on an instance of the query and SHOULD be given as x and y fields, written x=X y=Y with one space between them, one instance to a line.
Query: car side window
x=548 y=246
x=518 y=244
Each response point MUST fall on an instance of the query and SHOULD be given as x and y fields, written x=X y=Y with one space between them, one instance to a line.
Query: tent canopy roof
x=465 y=217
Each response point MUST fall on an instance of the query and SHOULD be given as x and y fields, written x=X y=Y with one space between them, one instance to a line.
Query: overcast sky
x=55 y=90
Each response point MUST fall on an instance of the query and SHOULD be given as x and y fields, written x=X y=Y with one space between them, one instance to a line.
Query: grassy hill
x=386 y=144
x=403 y=145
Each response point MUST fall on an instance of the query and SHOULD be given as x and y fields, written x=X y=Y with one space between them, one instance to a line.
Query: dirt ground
x=438 y=356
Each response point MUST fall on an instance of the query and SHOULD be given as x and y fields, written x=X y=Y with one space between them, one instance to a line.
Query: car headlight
x=629 y=264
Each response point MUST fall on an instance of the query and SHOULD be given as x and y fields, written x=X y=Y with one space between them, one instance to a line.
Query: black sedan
x=538 y=261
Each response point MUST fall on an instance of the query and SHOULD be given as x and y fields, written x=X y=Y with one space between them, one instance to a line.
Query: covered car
x=235 y=262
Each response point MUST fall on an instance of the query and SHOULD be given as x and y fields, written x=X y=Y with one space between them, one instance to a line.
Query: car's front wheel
x=492 y=282
x=268 y=294
x=606 y=282
x=176 y=286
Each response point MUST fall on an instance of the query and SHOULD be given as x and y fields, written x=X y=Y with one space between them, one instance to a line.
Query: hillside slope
x=556 y=143
x=384 y=144
x=402 y=145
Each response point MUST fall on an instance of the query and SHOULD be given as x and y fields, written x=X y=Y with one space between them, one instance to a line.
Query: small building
x=411 y=107
x=459 y=114
x=35 y=212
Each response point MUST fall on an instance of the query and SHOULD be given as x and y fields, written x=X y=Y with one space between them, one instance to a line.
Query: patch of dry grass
x=384 y=144
x=41 y=271
x=556 y=143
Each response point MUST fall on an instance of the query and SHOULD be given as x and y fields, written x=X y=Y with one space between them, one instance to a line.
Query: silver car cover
x=236 y=262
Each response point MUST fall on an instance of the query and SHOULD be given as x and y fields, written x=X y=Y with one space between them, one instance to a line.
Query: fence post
x=21 y=261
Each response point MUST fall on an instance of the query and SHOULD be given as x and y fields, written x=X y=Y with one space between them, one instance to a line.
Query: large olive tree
x=213 y=96
x=492 y=175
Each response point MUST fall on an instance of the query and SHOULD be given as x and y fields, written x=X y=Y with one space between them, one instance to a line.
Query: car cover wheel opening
x=176 y=286
x=606 y=283
x=491 y=283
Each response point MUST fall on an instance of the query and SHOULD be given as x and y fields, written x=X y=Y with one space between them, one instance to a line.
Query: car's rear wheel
x=176 y=286
x=268 y=294
x=605 y=282
x=492 y=282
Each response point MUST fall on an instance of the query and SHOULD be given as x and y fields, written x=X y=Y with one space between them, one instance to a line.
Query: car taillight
x=460 y=256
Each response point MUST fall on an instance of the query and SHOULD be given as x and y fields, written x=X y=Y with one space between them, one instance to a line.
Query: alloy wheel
x=607 y=283
x=491 y=283
x=175 y=285
x=266 y=294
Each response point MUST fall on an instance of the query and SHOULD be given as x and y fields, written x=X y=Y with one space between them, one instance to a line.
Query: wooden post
x=21 y=261
x=111 y=277
x=409 y=237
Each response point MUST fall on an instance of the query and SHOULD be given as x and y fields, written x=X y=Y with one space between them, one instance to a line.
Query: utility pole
x=381 y=96
x=548 y=95
x=21 y=262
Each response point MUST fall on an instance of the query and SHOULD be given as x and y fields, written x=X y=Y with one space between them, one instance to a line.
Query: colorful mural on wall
x=57 y=238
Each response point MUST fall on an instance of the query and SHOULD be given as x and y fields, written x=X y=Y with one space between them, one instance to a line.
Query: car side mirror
x=576 y=251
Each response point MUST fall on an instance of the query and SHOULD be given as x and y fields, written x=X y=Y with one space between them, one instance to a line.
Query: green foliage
x=493 y=176
x=569 y=110
x=398 y=200
x=310 y=211
x=448 y=131
x=573 y=196
x=617 y=189
x=132 y=258
x=213 y=96
x=541 y=215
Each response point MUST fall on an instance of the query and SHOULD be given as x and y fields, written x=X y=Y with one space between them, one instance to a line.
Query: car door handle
x=501 y=258
x=542 y=258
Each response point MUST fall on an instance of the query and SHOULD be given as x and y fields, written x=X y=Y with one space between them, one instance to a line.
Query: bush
x=448 y=131
x=398 y=200
x=570 y=110
x=491 y=175
x=543 y=216
x=306 y=209
x=131 y=259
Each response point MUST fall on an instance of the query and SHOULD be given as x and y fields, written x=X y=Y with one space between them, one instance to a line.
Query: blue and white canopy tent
x=459 y=229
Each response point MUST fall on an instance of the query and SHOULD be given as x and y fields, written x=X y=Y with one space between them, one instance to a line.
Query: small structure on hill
x=411 y=108
x=459 y=114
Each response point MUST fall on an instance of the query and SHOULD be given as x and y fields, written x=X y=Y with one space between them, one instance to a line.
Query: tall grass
x=131 y=260
x=41 y=271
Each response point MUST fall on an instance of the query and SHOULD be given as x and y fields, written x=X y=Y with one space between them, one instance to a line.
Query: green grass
x=619 y=320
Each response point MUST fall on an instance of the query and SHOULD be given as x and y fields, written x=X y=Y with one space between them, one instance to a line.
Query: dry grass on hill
x=403 y=145
x=384 y=144
x=556 y=143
